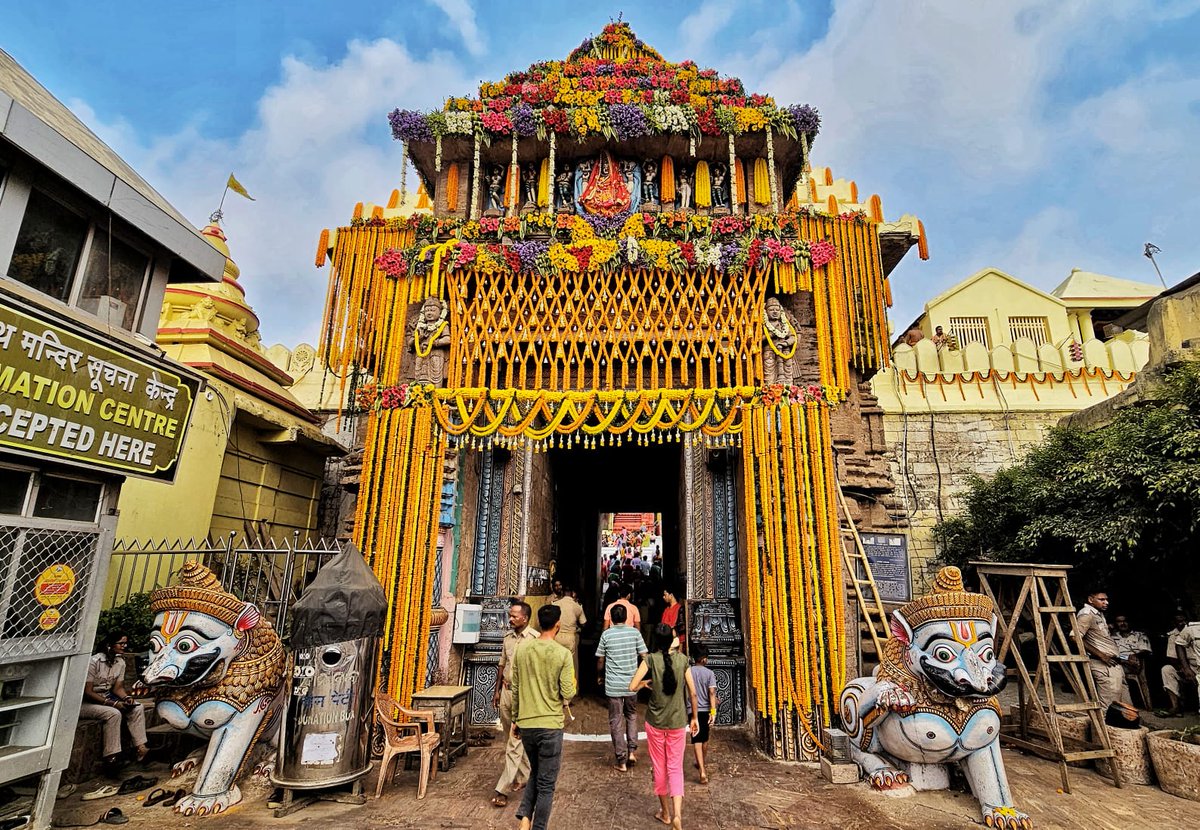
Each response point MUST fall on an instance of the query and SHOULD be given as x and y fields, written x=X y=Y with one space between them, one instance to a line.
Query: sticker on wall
x=49 y=619
x=54 y=585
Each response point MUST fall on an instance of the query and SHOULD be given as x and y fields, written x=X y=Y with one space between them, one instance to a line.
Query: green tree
x=1120 y=503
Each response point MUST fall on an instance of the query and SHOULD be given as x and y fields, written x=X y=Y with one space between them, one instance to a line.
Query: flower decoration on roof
x=613 y=85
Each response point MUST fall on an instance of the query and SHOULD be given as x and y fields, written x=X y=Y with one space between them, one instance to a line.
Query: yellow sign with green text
x=65 y=396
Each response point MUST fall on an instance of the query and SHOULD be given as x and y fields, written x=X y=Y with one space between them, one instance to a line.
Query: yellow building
x=1010 y=362
x=253 y=463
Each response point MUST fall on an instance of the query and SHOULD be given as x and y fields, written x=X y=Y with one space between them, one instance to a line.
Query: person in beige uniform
x=1100 y=646
x=571 y=622
x=516 y=764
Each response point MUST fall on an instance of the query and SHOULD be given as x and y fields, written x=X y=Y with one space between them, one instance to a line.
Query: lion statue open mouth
x=932 y=701
x=216 y=670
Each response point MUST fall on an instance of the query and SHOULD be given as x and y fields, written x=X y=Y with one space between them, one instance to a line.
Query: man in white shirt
x=1187 y=651
x=1171 y=679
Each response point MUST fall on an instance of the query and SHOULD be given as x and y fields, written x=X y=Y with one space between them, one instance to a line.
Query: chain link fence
x=45 y=573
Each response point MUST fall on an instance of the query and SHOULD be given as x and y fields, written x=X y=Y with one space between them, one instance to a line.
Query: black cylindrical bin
x=334 y=641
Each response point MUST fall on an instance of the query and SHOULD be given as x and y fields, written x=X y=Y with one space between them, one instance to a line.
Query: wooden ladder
x=866 y=592
x=1042 y=602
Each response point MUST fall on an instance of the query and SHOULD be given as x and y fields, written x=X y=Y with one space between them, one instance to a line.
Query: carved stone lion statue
x=932 y=701
x=216 y=670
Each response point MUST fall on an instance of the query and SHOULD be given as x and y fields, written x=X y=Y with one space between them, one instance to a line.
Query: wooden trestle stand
x=1035 y=599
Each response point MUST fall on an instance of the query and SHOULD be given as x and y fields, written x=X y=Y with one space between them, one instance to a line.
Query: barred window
x=971 y=330
x=1036 y=329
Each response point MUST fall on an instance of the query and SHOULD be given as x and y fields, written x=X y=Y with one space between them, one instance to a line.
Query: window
x=67 y=498
x=48 y=247
x=971 y=330
x=113 y=280
x=64 y=255
x=14 y=490
x=1036 y=329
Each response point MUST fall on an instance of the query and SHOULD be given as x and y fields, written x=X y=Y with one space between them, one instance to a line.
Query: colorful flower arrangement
x=612 y=85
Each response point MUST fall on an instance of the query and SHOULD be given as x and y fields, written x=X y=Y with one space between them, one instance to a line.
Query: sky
x=1032 y=136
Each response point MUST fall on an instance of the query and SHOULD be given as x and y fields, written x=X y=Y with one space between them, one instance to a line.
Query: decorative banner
x=54 y=585
x=70 y=398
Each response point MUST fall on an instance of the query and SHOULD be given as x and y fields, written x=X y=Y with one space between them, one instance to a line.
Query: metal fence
x=267 y=572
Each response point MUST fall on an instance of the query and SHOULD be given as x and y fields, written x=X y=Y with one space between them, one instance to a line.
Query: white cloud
x=462 y=17
x=698 y=28
x=320 y=143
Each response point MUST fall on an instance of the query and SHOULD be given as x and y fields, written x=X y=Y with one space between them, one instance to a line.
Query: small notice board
x=888 y=555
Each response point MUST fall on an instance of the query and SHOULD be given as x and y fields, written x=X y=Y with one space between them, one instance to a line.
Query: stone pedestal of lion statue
x=216 y=670
x=932 y=702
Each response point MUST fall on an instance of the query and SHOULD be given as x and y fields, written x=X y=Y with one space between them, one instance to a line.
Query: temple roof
x=1088 y=286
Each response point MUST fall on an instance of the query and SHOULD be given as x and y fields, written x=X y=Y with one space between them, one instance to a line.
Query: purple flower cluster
x=729 y=252
x=523 y=119
x=529 y=252
x=607 y=226
x=628 y=121
x=806 y=118
x=409 y=125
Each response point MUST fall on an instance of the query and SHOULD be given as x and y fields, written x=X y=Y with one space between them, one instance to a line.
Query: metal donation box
x=334 y=641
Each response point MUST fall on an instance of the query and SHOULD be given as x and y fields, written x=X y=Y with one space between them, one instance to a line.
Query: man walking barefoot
x=543 y=680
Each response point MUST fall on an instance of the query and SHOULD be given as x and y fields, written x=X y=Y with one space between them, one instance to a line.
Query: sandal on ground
x=106 y=791
x=138 y=782
x=113 y=816
x=173 y=798
x=157 y=796
x=499 y=800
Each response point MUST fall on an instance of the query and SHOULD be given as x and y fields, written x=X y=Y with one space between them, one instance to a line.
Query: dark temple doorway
x=590 y=484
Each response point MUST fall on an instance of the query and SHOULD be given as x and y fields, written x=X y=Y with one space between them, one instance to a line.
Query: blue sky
x=1033 y=136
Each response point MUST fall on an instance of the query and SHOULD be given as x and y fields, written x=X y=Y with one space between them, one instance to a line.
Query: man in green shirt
x=543 y=681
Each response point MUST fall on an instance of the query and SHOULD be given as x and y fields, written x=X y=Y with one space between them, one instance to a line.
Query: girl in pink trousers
x=668 y=678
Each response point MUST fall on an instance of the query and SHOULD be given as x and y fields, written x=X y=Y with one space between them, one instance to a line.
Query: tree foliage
x=1120 y=503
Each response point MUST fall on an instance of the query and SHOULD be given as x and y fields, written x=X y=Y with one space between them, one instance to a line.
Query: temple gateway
x=623 y=290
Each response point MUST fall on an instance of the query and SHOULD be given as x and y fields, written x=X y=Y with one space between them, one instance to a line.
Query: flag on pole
x=236 y=186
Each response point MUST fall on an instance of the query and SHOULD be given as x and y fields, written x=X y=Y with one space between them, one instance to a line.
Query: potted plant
x=1176 y=758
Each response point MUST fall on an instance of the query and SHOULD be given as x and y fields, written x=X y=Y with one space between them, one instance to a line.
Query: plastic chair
x=401 y=737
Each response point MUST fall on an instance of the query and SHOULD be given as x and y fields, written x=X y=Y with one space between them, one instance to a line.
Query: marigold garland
x=666 y=178
x=703 y=193
x=762 y=183
x=452 y=187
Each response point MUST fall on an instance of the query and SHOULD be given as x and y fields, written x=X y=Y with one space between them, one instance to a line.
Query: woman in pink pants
x=667 y=721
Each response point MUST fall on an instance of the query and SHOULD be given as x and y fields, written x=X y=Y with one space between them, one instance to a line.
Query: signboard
x=888 y=555
x=67 y=397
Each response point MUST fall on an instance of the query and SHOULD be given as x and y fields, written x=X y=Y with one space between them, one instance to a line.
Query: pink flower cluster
x=780 y=251
x=497 y=122
x=392 y=263
x=821 y=252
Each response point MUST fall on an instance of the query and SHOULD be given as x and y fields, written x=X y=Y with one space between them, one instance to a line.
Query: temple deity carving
x=606 y=187
x=932 y=701
x=683 y=189
x=529 y=186
x=495 y=189
x=720 y=187
x=431 y=342
x=564 y=199
x=779 y=342
x=650 y=189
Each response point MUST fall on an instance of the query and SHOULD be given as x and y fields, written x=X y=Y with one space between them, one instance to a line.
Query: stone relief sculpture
x=495 y=190
x=564 y=201
x=216 y=670
x=529 y=186
x=650 y=189
x=932 y=701
x=779 y=341
x=720 y=187
x=431 y=342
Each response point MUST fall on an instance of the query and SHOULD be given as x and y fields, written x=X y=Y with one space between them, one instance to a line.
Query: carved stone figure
x=529 y=186
x=431 y=342
x=564 y=202
x=650 y=189
x=720 y=188
x=216 y=670
x=779 y=344
x=495 y=189
x=932 y=701
x=683 y=189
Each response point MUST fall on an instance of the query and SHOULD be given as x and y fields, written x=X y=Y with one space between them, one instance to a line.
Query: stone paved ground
x=747 y=791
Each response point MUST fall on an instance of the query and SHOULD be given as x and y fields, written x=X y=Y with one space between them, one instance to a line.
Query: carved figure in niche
x=650 y=183
x=564 y=201
x=216 y=670
x=779 y=337
x=932 y=701
x=720 y=194
x=431 y=342
x=606 y=188
x=683 y=189
x=529 y=185
x=495 y=189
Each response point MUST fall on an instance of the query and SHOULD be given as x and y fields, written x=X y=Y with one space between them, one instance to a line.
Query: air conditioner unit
x=109 y=309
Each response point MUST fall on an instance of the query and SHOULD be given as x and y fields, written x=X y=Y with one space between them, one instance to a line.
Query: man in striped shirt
x=617 y=655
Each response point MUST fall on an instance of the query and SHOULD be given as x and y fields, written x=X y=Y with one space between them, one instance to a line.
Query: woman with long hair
x=668 y=678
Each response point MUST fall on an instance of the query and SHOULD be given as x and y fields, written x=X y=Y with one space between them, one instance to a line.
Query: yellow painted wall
x=997 y=297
